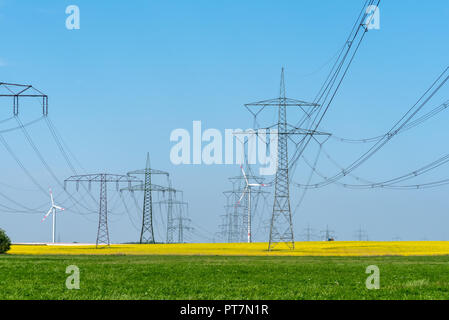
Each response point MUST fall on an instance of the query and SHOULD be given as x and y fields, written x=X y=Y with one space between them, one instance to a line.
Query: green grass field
x=214 y=277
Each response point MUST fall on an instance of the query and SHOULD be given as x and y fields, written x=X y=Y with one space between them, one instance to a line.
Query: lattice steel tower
x=281 y=227
x=103 y=179
x=170 y=202
x=236 y=220
x=328 y=234
x=233 y=228
x=183 y=223
x=147 y=232
x=103 y=230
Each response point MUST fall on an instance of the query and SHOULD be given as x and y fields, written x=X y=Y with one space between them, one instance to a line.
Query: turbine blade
x=48 y=213
x=58 y=207
x=243 y=194
x=244 y=175
x=51 y=197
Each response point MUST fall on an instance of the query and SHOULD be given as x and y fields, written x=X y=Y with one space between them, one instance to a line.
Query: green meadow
x=221 y=277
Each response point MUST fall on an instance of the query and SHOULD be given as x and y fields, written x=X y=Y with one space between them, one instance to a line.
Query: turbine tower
x=247 y=191
x=53 y=210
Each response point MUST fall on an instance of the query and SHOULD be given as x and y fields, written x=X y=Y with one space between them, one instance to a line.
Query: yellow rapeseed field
x=337 y=248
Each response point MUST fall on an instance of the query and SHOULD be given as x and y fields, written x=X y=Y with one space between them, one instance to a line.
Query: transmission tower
x=224 y=232
x=170 y=221
x=183 y=223
x=103 y=179
x=328 y=234
x=147 y=232
x=309 y=233
x=236 y=221
x=18 y=91
x=233 y=220
x=169 y=202
x=281 y=228
x=361 y=234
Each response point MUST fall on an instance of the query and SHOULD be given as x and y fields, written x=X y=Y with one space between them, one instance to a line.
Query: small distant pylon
x=170 y=220
x=183 y=224
x=309 y=233
x=171 y=203
x=361 y=234
x=236 y=224
x=329 y=235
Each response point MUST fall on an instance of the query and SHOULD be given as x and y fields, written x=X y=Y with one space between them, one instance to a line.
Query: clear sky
x=136 y=70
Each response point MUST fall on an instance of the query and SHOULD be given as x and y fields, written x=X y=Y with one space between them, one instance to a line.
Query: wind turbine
x=53 y=209
x=248 y=190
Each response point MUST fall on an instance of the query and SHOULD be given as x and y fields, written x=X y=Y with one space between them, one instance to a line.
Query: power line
x=409 y=126
x=332 y=84
x=397 y=127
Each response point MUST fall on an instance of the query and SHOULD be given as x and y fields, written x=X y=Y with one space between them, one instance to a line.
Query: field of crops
x=222 y=277
x=340 y=248
x=314 y=270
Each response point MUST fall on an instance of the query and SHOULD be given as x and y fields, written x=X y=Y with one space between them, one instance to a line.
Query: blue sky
x=136 y=70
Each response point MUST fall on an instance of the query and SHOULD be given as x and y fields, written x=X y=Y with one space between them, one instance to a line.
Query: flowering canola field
x=337 y=248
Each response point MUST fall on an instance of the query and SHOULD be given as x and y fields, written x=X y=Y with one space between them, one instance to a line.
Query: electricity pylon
x=281 y=228
x=328 y=234
x=147 y=232
x=183 y=224
x=170 y=202
x=18 y=91
x=237 y=219
x=230 y=230
x=234 y=218
x=309 y=233
x=361 y=234
x=103 y=179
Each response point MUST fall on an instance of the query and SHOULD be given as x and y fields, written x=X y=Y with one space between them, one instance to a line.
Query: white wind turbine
x=248 y=191
x=53 y=209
